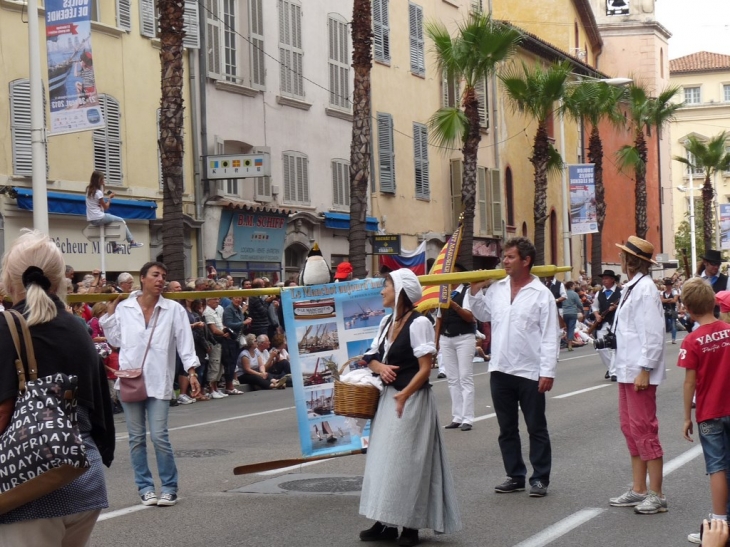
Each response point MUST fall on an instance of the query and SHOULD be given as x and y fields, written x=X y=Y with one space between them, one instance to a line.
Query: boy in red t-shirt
x=705 y=356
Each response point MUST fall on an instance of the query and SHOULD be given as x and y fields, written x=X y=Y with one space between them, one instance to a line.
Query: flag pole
x=37 y=126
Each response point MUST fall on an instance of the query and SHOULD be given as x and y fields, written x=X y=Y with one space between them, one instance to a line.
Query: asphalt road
x=590 y=464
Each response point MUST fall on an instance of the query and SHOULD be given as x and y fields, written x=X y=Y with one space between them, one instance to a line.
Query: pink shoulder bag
x=131 y=380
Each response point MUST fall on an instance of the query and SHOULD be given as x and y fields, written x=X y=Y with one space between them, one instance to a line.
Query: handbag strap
x=154 y=326
x=30 y=369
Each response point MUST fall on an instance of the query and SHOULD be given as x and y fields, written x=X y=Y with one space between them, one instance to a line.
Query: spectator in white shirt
x=147 y=320
x=525 y=346
x=213 y=316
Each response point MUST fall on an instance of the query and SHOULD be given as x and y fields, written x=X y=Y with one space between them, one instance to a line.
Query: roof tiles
x=702 y=61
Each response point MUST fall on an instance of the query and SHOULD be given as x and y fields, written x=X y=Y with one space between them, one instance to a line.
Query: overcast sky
x=697 y=25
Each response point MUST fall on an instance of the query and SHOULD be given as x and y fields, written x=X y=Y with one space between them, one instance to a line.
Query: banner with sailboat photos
x=328 y=329
x=583 y=214
x=725 y=226
x=247 y=235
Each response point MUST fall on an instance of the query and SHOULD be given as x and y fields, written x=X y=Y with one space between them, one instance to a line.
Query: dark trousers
x=255 y=381
x=280 y=369
x=507 y=392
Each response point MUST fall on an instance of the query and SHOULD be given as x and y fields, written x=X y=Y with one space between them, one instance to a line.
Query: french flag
x=413 y=260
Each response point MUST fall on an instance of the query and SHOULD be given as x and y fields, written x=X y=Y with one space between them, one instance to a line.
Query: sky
x=696 y=25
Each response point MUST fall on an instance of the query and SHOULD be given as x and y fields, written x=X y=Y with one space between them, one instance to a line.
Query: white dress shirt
x=126 y=330
x=525 y=333
x=639 y=328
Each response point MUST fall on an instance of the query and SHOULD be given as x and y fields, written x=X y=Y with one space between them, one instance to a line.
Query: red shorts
x=639 y=424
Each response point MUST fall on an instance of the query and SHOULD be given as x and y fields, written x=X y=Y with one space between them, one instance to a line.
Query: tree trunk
x=469 y=178
x=361 y=131
x=708 y=221
x=595 y=156
x=539 y=160
x=171 y=135
x=640 y=172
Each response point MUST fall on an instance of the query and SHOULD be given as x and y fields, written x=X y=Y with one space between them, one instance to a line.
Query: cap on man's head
x=344 y=269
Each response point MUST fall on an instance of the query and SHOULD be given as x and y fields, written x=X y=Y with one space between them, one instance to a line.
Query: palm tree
x=362 y=38
x=534 y=92
x=644 y=113
x=171 y=135
x=470 y=57
x=712 y=158
x=595 y=101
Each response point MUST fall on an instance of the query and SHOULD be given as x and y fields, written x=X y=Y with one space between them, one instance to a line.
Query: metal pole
x=37 y=126
x=693 y=244
x=102 y=250
x=716 y=206
x=567 y=258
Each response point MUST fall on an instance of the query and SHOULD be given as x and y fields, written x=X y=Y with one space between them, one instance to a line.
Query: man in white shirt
x=525 y=346
x=213 y=316
x=148 y=329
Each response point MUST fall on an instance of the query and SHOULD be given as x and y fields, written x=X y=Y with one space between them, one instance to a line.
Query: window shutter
x=496 y=202
x=451 y=93
x=481 y=92
x=213 y=37
x=290 y=48
x=190 y=25
x=296 y=178
x=124 y=14
x=256 y=18
x=20 y=133
x=340 y=183
x=457 y=206
x=476 y=6
x=338 y=63
x=147 y=21
x=386 y=153
x=415 y=27
x=108 y=142
x=381 y=31
x=482 y=196
x=420 y=152
x=262 y=188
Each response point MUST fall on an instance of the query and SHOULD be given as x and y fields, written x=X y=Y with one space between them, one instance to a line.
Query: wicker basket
x=356 y=401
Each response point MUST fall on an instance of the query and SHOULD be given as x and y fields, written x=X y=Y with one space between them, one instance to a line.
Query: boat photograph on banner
x=583 y=214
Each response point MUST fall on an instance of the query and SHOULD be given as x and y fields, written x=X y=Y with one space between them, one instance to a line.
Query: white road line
x=560 y=528
x=684 y=458
x=201 y=424
x=485 y=417
x=586 y=390
x=290 y=468
x=122 y=512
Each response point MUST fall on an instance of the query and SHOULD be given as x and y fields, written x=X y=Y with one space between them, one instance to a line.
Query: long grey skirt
x=407 y=477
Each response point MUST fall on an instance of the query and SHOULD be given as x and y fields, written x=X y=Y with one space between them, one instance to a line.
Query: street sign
x=112 y=232
x=238 y=166
x=385 y=244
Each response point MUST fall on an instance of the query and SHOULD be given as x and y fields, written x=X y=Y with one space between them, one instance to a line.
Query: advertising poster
x=582 y=199
x=247 y=235
x=725 y=226
x=328 y=328
x=71 y=82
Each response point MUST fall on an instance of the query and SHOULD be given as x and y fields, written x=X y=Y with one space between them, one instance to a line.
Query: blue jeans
x=671 y=325
x=570 y=320
x=156 y=411
x=715 y=440
x=108 y=219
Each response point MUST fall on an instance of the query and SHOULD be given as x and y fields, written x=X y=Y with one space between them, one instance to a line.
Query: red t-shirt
x=707 y=351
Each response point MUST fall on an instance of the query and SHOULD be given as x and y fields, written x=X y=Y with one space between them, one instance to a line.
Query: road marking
x=586 y=390
x=485 y=417
x=560 y=528
x=121 y=437
x=682 y=459
x=291 y=468
x=579 y=357
x=122 y=512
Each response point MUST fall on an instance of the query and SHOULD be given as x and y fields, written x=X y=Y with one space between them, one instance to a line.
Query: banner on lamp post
x=71 y=81
x=725 y=226
x=583 y=215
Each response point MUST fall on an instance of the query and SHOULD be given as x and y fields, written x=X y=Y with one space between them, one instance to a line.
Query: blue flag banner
x=583 y=215
x=328 y=329
x=71 y=80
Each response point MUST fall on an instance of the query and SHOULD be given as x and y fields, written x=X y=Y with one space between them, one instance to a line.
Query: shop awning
x=75 y=204
x=341 y=221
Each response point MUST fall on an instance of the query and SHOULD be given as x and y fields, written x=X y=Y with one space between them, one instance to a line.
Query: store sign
x=385 y=244
x=238 y=166
x=617 y=7
x=251 y=236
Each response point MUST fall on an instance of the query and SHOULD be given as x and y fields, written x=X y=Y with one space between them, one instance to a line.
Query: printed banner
x=725 y=226
x=582 y=199
x=437 y=296
x=245 y=235
x=329 y=328
x=71 y=82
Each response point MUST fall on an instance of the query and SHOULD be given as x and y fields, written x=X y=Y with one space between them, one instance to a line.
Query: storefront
x=67 y=220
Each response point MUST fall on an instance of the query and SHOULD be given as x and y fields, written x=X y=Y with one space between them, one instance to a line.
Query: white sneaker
x=695 y=538
x=224 y=394
x=217 y=395
x=185 y=399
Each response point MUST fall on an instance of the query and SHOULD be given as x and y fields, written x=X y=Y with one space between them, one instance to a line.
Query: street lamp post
x=37 y=125
x=692 y=242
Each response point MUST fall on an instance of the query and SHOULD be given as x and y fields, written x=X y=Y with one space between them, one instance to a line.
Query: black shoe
x=614 y=379
x=441 y=375
x=538 y=490
x=466 y=427
x=173 y=402
x=379 y=532
x=453 y=425
x=408 y=537
x=607 y=375
x=509 y=486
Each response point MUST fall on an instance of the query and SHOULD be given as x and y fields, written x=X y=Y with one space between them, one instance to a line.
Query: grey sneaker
x=695 y=538
x=652 y=505
x=538 y=490
x=167 y=499
x=509 y=486
x=148 y=498
x=629 y=499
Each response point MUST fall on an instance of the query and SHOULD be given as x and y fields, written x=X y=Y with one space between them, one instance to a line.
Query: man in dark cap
x=604 y=309
x=711 y=262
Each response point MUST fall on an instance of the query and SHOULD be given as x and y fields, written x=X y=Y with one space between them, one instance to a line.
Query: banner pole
x=37 y=126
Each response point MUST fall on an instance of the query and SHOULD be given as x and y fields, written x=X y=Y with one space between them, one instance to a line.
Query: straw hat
x=639 y=248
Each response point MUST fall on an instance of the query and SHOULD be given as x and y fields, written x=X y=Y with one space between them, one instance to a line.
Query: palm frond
x=448 y=127
x=629 y=158
x=534 y=90
x=555 y=163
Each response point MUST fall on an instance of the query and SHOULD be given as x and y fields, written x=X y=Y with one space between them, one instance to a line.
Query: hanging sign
x=583 y=215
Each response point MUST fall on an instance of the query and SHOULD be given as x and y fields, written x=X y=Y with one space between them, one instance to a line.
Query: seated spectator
x=254 y=374
x=281 y=368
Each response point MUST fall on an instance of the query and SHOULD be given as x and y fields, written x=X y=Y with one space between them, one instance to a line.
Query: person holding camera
x=97 y=207
x=604 y=309
x=669 y=298
x=639 y=361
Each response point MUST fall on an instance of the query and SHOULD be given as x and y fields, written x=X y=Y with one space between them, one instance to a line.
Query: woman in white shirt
x=97 y=205
x=639 y=364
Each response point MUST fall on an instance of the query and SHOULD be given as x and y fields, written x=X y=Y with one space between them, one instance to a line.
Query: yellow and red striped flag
x=437 y=296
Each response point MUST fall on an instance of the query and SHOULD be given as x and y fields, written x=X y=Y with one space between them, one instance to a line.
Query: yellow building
x=704 y=79
x=127 y=71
